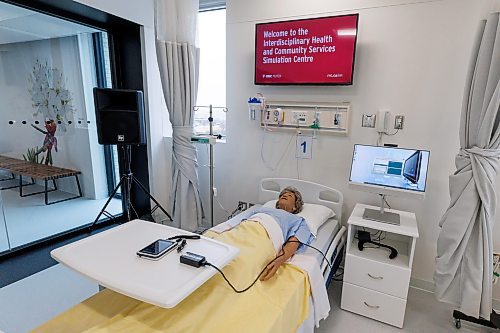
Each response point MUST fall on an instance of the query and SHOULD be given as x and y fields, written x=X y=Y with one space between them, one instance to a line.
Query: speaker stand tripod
x=126 y=182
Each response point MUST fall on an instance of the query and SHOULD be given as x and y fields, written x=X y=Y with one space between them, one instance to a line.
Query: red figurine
x=49 y=141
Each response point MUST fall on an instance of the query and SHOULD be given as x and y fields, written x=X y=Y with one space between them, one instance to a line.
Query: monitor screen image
x=317 y=51
x=398 y=168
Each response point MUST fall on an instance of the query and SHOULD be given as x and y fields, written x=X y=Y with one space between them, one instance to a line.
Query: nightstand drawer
x=377 y=276
x=372 y=304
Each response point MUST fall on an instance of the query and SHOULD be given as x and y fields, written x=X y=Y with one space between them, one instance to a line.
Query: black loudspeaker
x=119 y=116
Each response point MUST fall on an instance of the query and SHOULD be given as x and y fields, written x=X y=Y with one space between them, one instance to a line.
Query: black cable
x=339 y=276
x=390 y=134
x=256 y=279
x=234 y=213
x=265 y=267
x=385 y=200
x=375 y=235
x=312 y=247
x=129 y=179
x=184 y=237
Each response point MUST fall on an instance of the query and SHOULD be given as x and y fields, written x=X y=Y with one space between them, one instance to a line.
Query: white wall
x=412 y=58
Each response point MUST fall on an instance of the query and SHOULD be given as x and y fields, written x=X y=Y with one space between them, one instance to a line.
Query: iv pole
x=211 y=156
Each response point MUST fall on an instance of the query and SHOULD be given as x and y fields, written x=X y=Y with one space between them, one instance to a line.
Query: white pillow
x=314 y=215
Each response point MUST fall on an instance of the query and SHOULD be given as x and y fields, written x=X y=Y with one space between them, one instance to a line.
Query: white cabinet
x=375 y=285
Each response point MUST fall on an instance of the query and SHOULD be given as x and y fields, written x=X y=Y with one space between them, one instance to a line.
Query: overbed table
x=110 y=259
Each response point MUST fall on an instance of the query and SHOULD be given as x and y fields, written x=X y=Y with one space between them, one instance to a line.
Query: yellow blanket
x=277 y=305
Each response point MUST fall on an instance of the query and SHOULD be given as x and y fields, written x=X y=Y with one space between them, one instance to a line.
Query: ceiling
x=22 y=25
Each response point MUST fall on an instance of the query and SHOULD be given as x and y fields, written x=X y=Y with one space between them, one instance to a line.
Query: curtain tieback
x=480 y=152
x=490 y=156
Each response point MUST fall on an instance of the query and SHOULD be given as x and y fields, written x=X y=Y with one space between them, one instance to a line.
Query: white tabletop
x=110 y=259
x=407 y=226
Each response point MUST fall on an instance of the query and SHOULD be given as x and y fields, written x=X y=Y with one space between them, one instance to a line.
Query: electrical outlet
x=299 y=117
x=398 y=122
x=368 y=120
x=496 y=258
x=337 y=120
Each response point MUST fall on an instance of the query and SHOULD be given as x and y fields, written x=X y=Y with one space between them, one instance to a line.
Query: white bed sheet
x=326 y=234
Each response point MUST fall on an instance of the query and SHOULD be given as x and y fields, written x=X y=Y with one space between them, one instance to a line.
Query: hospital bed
x=330 y=240
x=331 y=236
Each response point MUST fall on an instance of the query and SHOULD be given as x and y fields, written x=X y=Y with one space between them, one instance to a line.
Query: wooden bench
x=37 y=171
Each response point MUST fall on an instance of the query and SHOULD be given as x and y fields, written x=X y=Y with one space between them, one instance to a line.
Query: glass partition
x=53 y=172
x=4 y=240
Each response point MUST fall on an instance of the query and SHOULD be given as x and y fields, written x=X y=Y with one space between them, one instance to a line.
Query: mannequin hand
x=272 y=269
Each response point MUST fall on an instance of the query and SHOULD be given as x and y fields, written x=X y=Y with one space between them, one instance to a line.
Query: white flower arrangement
x=49 y=95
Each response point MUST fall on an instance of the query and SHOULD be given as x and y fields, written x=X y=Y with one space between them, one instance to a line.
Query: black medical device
x=193 y=259
x=364 y=237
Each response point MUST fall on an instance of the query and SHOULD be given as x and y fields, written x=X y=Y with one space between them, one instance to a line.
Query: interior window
x=53 y=172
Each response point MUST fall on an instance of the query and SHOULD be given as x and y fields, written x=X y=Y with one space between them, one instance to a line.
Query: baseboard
x=430 y=287
x=422 y=284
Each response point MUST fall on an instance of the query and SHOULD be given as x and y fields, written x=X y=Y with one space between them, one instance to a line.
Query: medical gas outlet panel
x=326 y=117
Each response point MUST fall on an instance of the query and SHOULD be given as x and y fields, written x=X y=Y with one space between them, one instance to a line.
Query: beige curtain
x=178 y=59
x=464 y=267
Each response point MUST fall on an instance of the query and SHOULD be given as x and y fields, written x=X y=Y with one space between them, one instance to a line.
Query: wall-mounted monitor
x=318 y=51
x=388 y=171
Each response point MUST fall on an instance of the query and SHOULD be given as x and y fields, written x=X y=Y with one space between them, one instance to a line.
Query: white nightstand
x=374 y=285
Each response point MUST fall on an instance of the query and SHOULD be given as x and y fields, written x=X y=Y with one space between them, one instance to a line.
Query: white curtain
x=464 y=268
x=178 y=59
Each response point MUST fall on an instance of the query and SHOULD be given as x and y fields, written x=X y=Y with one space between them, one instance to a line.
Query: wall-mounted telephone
x=383 y=121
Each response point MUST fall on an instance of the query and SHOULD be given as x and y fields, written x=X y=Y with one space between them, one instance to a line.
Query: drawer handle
x=372 y=306
x=375 y=277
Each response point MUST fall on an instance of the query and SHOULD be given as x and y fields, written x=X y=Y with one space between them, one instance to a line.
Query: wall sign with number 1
x=304 y=147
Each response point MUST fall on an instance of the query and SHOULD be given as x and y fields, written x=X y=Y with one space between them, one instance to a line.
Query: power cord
x=128 y=163
x=385 y=200
x=282 y=155
x=241 y=207
x=312 y=247
x=224 y=209
x=339 y=276
x=381 y=134
x=206 y=263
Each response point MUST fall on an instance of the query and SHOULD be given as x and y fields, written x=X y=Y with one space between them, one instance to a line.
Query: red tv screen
x=317 y=51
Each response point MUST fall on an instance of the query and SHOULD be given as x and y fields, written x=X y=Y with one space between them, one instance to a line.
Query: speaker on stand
x=120 y=121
